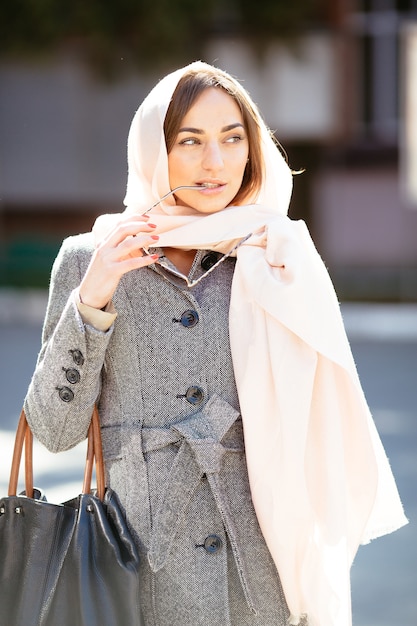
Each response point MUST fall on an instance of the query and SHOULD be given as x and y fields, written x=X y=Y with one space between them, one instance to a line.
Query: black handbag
x=71 y=564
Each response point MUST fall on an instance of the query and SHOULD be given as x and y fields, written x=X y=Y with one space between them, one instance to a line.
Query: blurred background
x=335 y=79
x=337 y=82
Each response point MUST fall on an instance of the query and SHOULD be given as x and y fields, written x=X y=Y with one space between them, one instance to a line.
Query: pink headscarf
x=320 y=480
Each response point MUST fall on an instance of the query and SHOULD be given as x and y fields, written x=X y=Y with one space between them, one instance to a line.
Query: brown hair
x=189 y=87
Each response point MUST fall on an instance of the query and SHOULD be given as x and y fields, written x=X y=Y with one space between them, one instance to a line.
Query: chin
x=210 y=210
x=213 y=206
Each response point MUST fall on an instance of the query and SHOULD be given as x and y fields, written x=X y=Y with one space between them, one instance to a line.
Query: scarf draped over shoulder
x=320 y=480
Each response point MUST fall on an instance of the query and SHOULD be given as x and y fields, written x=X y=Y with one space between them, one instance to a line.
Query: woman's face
x=211 y=150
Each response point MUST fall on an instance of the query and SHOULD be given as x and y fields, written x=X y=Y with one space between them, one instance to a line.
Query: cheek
x=241 y=166
x=174 y=168
x=180 y=165
x=242 y=159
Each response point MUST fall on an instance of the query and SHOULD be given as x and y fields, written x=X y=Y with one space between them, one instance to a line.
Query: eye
x=189 y=141
x=235 y=138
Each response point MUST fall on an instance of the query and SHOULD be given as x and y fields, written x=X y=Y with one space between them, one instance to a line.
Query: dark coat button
x=72 y=375
x=189 y=318
x=65 y=394
x=209 y=260
x=77 y=356
x=194 y=395
x=213 y=544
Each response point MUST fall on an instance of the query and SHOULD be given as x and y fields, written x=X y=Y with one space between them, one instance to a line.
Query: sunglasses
x=192 y=283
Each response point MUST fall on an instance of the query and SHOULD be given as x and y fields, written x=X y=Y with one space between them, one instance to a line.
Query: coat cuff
x=97 y=318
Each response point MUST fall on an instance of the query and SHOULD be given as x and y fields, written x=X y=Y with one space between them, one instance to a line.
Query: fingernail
x=151 y=225
x=155 y=257
x=155 y=237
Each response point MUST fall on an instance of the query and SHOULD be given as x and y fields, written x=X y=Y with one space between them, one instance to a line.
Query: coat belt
x=200 y=453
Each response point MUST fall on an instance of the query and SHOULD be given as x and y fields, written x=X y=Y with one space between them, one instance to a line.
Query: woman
x=183 y=347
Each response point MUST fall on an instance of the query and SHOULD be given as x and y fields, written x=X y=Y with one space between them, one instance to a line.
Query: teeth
x=210 y=185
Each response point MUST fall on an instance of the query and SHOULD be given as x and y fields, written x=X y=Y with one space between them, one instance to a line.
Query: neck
x=182 y=259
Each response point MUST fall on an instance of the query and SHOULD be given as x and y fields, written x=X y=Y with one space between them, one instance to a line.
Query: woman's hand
x=120 y=252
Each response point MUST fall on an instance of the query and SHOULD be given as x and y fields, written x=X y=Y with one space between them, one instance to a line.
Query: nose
x=212 y=157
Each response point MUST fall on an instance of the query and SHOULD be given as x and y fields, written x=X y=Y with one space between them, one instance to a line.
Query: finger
x=137 y=245
x=128 y=228
x=136 y=262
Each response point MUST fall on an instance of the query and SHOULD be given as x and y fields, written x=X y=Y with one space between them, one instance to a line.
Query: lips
x=211 y=184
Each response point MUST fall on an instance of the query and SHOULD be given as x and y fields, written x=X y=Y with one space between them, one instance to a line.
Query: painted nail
x=151 y=225
x=155 y=237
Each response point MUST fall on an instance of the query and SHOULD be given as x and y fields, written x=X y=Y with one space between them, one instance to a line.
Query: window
x=377 y=24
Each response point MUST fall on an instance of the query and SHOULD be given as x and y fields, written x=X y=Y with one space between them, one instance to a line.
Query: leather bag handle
x=24 y=438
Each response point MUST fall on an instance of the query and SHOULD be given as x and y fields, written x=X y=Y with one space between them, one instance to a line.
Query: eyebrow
x=199 y=131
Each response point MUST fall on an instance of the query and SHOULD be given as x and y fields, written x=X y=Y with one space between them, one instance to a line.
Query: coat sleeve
x=66 y=381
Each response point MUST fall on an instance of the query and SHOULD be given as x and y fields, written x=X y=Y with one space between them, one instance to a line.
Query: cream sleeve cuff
x=99 y=319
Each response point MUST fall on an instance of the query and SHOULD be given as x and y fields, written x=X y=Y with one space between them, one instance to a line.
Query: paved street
x=384 y=342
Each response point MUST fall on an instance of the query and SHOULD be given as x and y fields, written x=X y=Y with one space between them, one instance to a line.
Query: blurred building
x=337 y=98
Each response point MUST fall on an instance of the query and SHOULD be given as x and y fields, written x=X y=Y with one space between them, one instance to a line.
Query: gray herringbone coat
x=172 y=436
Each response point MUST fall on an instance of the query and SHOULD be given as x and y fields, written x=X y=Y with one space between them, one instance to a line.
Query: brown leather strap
x=98 y=453
x=17 y=453
x=89 y=462
x=24 y=438
x=28 y=461
x=94 y=452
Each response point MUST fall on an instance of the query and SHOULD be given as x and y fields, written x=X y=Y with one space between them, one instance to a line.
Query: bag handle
x=94 y=452
x=24 y=437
